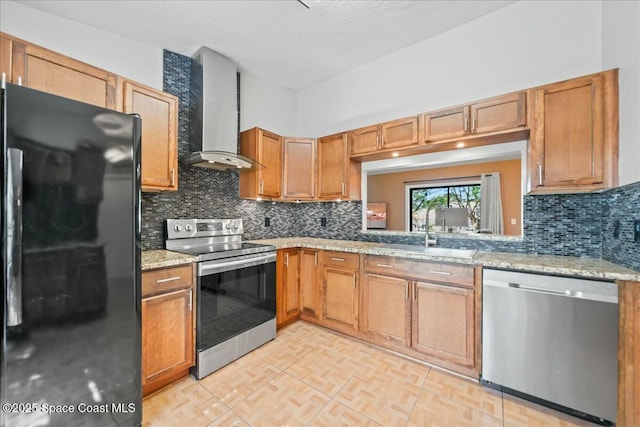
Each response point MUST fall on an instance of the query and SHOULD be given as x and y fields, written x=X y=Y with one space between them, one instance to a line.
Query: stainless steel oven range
x=236 y=298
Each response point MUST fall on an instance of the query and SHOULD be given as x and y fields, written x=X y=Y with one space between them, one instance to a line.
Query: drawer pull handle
x=169 y=279
x=337 y=259
x=444 y=273
x=385 y=265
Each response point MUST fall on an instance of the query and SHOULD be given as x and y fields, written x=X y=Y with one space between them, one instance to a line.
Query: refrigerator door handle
x=15 y=159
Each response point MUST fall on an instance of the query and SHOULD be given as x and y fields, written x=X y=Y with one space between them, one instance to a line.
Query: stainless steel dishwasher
x=553 y=339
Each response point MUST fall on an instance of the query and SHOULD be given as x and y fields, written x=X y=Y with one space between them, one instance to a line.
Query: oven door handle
x=212 y=267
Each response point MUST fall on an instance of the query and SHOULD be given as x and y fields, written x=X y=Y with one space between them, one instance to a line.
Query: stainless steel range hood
x=213 y=126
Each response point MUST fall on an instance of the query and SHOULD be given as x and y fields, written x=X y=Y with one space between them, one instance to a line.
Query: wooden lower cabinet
x=168 y=326
x=443 y=322
x=310 y=295
x=287 y=286
x=426 y=310
x=340 y=291
x=386 y=309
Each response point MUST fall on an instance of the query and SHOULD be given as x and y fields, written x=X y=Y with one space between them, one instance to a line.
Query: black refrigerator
x=71 y=263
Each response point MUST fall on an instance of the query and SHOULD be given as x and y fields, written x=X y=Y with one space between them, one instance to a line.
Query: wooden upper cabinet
x=399 y=133
x=159 y=115
x=365 y=140
x=446 y=124
x=6 y=46
x=266 y=148
x=386 y=308
x=443 y=323
x=338 y=175
x=48 y=71
x=575 y=135
x=310 y=295
x=394 y=134
x=491 y=115
x=500 y=113
x=299 y=168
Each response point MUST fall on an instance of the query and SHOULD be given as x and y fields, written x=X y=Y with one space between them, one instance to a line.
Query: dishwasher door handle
x=567 y=293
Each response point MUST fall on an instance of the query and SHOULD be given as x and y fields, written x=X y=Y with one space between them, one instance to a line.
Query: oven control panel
x=189 y=228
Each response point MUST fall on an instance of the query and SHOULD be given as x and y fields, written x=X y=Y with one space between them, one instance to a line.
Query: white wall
x=522 y=45
x=119 y=55
x=621 y=49
x=267 y=106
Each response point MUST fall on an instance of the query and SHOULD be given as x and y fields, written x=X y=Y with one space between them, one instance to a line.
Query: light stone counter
x=161 y=258
x=571 y=266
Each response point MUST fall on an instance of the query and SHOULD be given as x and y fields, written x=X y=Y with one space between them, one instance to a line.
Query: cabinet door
x=332 y=166
x=167 y=334
x=310 y=297
x=443 y=322
x=446 y=124
x=288 y=297
x=340 y=294
x=504 y=112
x=399 y=133
x=365 y=140
x=270 y=155
x=48 y=71
x=299 y=168
x=5 y=57
x=159 y=113
x=386 y=308
x=568 y=135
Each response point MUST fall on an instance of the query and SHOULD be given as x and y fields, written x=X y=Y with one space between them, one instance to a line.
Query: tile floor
x=311 y=376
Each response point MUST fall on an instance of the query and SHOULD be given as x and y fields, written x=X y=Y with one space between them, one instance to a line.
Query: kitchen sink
x=443 y=252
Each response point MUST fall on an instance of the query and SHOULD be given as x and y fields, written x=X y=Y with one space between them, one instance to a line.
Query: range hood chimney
x=213 y=125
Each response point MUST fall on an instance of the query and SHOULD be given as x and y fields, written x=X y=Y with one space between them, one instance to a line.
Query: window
x=424 y=200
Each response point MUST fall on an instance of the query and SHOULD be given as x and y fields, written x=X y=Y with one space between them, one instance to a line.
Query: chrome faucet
x=426 y=234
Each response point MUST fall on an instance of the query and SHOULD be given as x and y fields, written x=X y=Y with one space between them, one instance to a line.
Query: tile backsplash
x=565 y=224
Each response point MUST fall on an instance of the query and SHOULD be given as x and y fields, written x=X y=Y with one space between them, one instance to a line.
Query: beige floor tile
x=283 y=353
x=348 y=347
x=229 y=419
x=432 y=409
x=186 y=403
x=239 y=379
x=284 y=400
x=464 y=391
x=324 y=370
x=518 y=412
x=335 y=414
x=380 y=397
x=397 y=366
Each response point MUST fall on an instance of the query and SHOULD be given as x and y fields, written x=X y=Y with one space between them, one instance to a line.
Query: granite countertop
x=572 y=266
x=161 y=258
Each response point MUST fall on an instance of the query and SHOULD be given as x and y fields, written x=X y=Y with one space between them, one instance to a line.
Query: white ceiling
x=278 y=41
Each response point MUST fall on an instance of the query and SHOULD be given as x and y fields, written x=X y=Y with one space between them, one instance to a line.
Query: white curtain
x=491 y=204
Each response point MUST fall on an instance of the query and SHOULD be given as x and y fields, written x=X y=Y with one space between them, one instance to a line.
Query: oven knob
x=177 y=227
x=236 y=225
x=228 y=226
x=188 y=227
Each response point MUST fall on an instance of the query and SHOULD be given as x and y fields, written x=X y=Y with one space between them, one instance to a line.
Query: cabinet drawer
x=421 y=270
x=340 y=260
x=166 y=279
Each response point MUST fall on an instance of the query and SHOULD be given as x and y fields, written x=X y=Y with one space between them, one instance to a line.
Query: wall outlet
x=636 y=231
x=513 y=221
x=267 y=222
x=323 y=222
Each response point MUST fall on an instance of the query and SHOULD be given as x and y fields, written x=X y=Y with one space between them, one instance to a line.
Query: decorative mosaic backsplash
x=621 y=205
x=566 y=224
